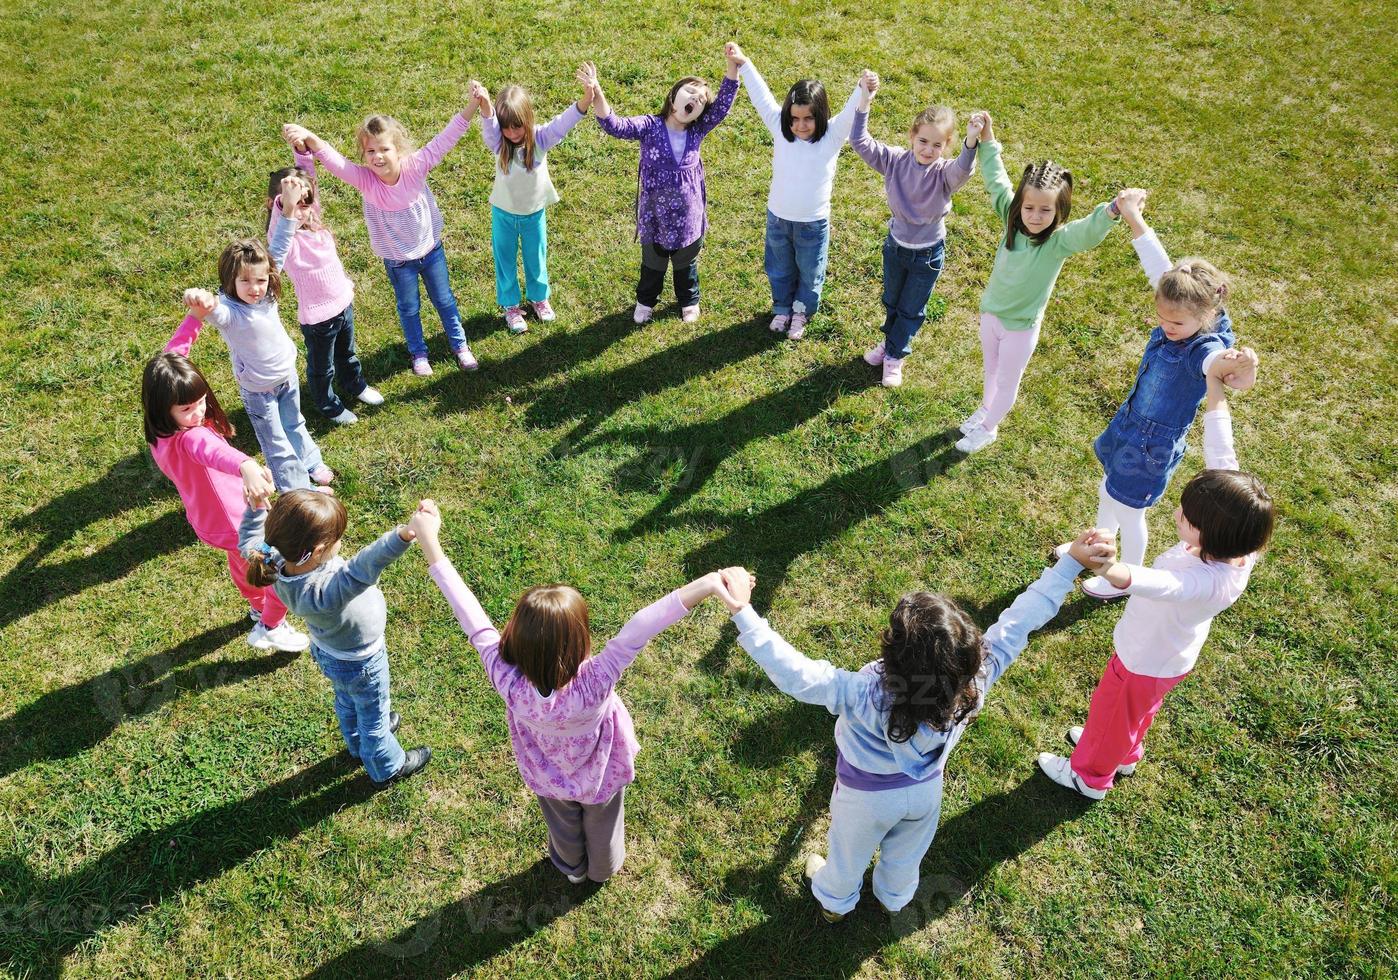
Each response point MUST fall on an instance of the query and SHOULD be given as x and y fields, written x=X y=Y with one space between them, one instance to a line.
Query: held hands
x=293 y=190
x=974 y=127
x=257 y=484
x=201 y=302
x=986 y=132
x=480 y=100
x=302 y=140
x=426 y=523
x=869 y=86
x=735 y=56
x=738 y=584
x=587 y=77
x=1094 y=548
x=1236 y=368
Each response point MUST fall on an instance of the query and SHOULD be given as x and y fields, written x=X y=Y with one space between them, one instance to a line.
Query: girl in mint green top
x=1038 y=240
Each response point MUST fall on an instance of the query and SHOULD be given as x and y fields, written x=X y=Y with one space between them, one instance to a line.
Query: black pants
x=654 y=260
x=329 y=351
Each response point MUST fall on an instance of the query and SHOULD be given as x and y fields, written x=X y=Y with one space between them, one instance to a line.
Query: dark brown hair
x=1232 y=511
x=170 y=380
x=669 y=105
x=298 y=522
x=807 y=92
x=932 y=652
x=246 y=251
x=548 y=636
x=1045 y=176
x=274 y=191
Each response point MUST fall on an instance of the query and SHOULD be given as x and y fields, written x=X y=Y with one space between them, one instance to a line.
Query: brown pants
x=586 y=837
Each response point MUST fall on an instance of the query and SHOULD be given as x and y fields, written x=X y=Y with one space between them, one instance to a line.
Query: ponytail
x=264 y=565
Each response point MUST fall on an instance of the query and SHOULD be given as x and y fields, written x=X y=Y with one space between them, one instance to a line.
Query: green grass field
x=170 y=800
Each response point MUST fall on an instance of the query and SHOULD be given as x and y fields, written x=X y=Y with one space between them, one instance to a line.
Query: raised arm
x=361 y=571
x=997 y=182
x=329 y=157
x=549 y=135
x=431 y=154
x=812 y=681
x=1155 y=262
x=182 y=340
x=622 y=127
x=1085 y=233
x=717 y=110
x=769 y=110
x=840 y=126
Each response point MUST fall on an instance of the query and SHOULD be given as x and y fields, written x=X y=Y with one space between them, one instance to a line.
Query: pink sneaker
x=798 y=326
x=779 y=323
x=543 y=311
x=690 y=314
x=421 y=368
x=892 y=372
x=466 y=359
x=514 y=319
x=322 y=474
x=874 y=355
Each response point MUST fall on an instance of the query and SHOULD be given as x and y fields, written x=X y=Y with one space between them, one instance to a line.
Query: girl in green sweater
x=1036 y=244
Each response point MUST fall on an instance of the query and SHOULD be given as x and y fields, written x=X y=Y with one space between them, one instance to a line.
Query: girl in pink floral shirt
x=571 y=734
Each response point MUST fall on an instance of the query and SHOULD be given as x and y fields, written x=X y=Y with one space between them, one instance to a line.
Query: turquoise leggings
x=509 y=233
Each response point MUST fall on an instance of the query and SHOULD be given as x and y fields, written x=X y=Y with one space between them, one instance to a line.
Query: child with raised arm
x=671 y=197
x=1224 y=519
x=521 y=193
x=919 y=182
x=899 y=717
x=806 y=144
x=571 y=733
x=405 y=225
x=1038 y=239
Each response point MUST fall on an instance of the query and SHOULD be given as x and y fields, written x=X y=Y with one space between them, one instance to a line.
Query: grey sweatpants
x=586 y=837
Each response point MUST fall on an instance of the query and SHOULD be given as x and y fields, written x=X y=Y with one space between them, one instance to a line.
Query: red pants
x=1122 y=708
x=265 y=601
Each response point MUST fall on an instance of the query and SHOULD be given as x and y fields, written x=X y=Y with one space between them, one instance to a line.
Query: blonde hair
x=513 y=107
x=384 y=126
x=938 y=117
x=1197 y=286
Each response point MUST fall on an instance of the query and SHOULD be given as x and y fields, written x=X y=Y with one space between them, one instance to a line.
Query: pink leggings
x=1122 y=708
x=1005 y=354
x=265 y=601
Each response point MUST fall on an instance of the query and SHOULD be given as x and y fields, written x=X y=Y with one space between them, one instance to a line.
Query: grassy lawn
x=170 y=800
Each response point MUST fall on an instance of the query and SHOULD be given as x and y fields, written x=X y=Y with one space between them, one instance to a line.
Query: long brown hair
x=669 y=105
x=299 y=521
x=548 y=636
x=513 y=107
x=932 y=652
x=1232 y=511
x=170 y=380
x=246 y=251
x=1045 y=176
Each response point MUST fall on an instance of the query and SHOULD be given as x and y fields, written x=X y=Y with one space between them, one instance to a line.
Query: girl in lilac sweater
x=671 y=199
x=571 y=734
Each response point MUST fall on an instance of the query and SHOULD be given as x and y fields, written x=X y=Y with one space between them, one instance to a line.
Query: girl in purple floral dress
x=671 y=202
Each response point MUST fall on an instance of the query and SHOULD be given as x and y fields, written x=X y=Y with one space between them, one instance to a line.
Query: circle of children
x=900 y=716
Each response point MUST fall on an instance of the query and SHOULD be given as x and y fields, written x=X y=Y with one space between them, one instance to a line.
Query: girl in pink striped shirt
x=405 y=225
x=572 y=735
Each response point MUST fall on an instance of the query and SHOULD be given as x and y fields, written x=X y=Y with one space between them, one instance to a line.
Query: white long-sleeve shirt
x=803 y=173
x=1173 y=603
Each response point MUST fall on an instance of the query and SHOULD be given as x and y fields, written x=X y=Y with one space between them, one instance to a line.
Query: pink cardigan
x=323 y=289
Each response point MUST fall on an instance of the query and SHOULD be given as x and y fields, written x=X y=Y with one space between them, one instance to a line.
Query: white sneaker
x=780 y=322
x=976 y=440
x=874 y=355
x=1075 y=733
x=1056 y=767
x=1102 y=590
x=642 y=313
x=345 y=418
x=892 y=372
x=371 y=396
x=576 y=879
x=690 y=314
x=973 y=422
x=284 y=638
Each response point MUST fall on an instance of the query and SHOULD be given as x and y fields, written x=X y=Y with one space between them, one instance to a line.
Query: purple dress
x=671 y=202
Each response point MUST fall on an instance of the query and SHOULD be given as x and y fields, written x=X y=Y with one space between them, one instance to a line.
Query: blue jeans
x=361 y=705
x=281 y=432
x=330 y=350
x=432 y=267
x=794 y=257
x=508 y=234
x=909 y=276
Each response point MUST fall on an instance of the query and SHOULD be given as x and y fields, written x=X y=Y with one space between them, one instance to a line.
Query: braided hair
x=1044 y=176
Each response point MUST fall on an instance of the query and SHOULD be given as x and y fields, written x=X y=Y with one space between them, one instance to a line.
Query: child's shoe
x=345 y=418
x=1058 y=769
x=576 y=879
x=283 y=637
x=412 y=762
x=543 y=311
x=892 y=372
x=797 y=330
x=642 y=313
x=393 y=722
x=322 y=474
x=1101 y=590
x=874 y=355
x=371 y=396
x=421 y=368
x=779 y=323
x=814 y=862
x=328 y=491
x=690 y=314
x=972 y=422
x=1075 y=733
x=466 y=359
x=514 y=319
x=976 y=440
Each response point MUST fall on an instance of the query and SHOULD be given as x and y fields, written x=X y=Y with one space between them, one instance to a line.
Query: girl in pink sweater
x=405 y=225
x=303 y=247
x=188 y=436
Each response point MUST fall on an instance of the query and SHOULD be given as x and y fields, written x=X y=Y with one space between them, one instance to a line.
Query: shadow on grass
x=47 y=918
x=128 y=484
x=73 y=719
x=465 y=932
x=793 y=940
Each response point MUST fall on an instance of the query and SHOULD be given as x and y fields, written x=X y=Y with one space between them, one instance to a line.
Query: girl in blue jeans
x=295 y=548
